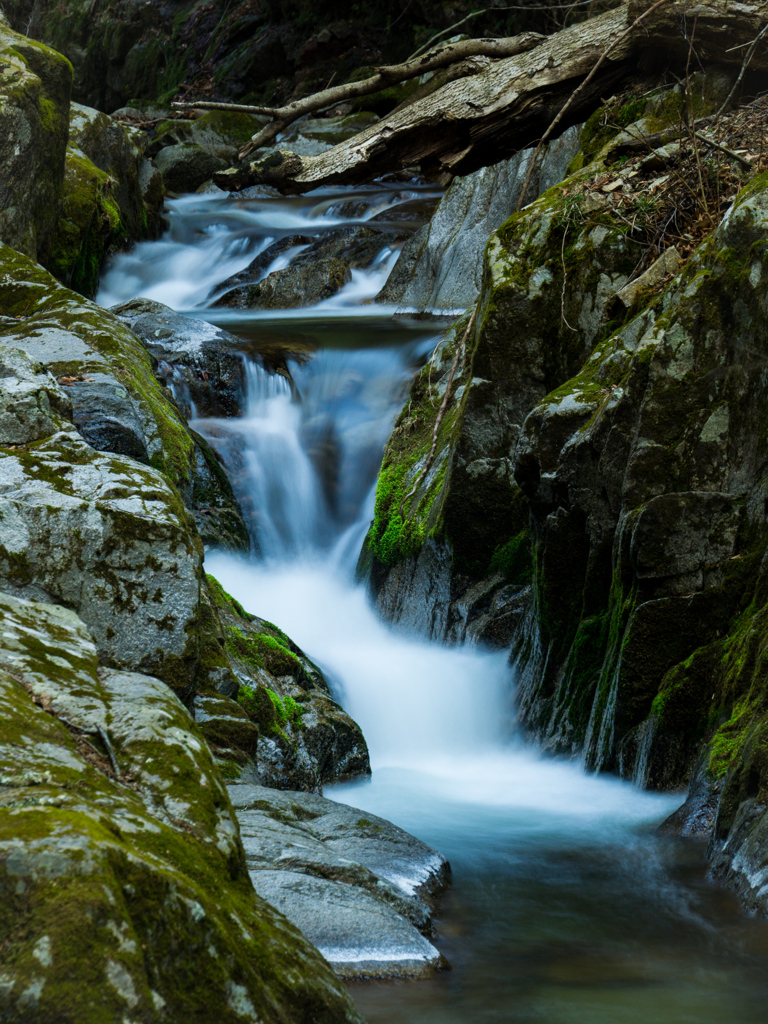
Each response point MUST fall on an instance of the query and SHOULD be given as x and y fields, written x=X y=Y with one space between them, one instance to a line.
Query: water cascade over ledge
x=565 y=905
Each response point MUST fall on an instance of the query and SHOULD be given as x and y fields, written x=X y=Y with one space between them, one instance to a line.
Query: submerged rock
x=357 y=886
x=123 y=883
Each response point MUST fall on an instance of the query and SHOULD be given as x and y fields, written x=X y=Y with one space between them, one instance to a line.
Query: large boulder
x=119 y=405
x=220 y=132
x=111 y=197
x=185 y=168
x=98 y=533
x=35 y=84
x=361 y=889
x=123 y=885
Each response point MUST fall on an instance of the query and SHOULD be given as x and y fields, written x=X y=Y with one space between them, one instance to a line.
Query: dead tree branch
x=484 y=117
x=384 y=77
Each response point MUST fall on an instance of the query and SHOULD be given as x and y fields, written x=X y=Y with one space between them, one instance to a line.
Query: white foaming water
x=437 y=719
x=212 y=237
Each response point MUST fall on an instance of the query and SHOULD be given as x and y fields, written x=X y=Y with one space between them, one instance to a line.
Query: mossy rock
x=145 y=906
x=306 y=737
x=35 y=84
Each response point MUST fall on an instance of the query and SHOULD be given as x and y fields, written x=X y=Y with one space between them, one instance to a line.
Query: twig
x=569 y=103
x=724 y=149
x=105 y=740
x=565 y=278
x=440 y=414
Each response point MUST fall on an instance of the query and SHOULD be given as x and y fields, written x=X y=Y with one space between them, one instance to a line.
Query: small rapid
x=566 y=908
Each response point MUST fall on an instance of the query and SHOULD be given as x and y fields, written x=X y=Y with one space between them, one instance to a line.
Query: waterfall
x=564 y=907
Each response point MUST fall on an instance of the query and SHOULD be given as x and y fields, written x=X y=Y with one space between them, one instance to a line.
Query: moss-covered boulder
x=118 y=403
x=219 y=132
x=449 y=514
x=110 y=538
x=306 y=738
x=123 y=886
x=111 y=196
x=644 y=475
x=35 y=84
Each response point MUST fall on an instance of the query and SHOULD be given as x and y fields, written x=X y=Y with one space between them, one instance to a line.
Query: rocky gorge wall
x=591 y=492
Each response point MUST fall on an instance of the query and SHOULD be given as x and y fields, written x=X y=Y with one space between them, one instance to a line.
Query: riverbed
x=565 y=905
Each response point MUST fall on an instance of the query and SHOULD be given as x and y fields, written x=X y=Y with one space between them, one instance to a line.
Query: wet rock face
x=361 y=889
x=437 y=535
x=35 y=85
x=199 y=361
x=441 y=266
x=305 y=738
x=113 y=879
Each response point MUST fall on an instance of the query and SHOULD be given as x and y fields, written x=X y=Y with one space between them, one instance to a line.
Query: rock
x=307 y=739
x=111 y=197
x=201 y=362
x=31 y=402
x=35 y=84
x=185 y=168
x=220 y=132
x=440 y=267
x=466 y=524
x=109 y=538
x=358 y=887
x=119 y=404
x=107 y=417
x=666 y=264
x=111 y=886
x=318 y=272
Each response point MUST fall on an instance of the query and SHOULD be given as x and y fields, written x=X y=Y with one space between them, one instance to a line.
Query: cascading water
x=565 y=906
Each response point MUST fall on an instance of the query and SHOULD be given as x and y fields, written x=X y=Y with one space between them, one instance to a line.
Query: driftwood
x=479 y=119
x=454 y=53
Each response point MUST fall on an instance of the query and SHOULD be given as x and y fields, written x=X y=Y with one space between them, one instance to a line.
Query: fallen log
x=478 y=120
x=454 y=53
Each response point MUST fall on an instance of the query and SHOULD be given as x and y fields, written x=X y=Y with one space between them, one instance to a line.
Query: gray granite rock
x=440 y=267
x=358 y=886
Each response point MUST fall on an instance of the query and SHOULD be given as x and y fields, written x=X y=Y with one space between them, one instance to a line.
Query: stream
x=565 y=907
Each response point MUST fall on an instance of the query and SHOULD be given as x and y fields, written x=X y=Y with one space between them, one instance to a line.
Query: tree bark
x=478 y=120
